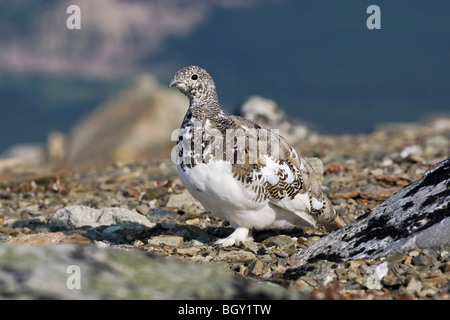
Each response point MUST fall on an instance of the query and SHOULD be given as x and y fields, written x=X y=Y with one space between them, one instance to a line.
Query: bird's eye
x=194 y=77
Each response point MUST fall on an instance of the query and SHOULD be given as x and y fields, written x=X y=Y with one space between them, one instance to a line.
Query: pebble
x=142 y=209
x=40 y=239
x=257 y=268
x=376 y=274
x=378 y=193
x=285 y=244
x=413 y=287
x=190 y=250
x=234 y=256
x=167 y=240
x=422 y=259
x=184 y=201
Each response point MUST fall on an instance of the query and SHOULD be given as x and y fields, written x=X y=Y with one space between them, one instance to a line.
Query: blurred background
x=101 y=91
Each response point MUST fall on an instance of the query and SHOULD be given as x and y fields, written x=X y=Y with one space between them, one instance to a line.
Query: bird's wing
x=279 y=175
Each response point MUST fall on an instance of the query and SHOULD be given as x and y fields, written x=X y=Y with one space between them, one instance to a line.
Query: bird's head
x=194 y=82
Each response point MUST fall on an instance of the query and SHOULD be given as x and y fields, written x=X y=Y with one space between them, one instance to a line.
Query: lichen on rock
x=416 y=216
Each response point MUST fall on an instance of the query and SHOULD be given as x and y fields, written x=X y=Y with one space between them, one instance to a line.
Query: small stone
x=341 y=272
x=302 y=286
x=444 y=254
x=377 y=193
x=195 y=221
x=159 y=213
x=284 y=243
x=242 y=270
x=363 y=268
x=422 y=260
x=192 y=232
x=351 y=275
x=446 y=267
x=154 y=193
x=138 y=243
x=386 y=162
x=142 y=209
x=101 y=244
x=413 y=286
x=235 y=256
x=168 y=240
x=76 y=238
x=257 y=268
x=311 y=239
x=376 y=273
x=13 y=232
x=391 y=280
x=428 y=292
x=345 y=193
x=376 y=172
x=152 y=204
x=189 y=251
x=112 y=202
x=32 y=210
x=411 y=150
x=280 y=253
x=40 y=238
x=254 y=247
x=301 y=241
x=184 y=200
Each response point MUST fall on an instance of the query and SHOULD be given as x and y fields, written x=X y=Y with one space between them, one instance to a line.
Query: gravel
x=150 y=212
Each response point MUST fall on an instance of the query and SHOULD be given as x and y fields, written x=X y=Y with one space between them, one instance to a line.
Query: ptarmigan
x=241 y=172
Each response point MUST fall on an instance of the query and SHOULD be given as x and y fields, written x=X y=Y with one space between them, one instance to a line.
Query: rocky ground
x=144 y=207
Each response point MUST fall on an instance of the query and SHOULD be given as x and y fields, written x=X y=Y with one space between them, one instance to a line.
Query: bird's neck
x=204 y=107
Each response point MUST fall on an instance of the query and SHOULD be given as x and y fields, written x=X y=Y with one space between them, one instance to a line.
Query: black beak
x=173 y=83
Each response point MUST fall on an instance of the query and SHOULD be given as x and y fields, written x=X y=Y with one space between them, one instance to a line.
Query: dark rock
x=192 y=233
x=423 y=259
x=416 y=216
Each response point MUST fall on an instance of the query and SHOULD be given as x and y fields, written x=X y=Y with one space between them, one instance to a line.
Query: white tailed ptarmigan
x=241 y=172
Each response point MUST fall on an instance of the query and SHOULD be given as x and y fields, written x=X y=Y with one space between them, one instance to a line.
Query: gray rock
x=70 y=271
x=267 y=113
x=234 y=256
x=282 y=242
x=376 y=273
x=167 y=240
x=73 y=217
x=25 y=154
x=416 y=216
x=260 y=109
x=184 y=201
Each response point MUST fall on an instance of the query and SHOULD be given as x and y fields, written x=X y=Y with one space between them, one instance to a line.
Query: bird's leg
x=239 y=235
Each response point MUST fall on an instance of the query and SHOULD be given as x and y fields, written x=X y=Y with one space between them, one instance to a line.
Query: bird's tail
x=329 y=218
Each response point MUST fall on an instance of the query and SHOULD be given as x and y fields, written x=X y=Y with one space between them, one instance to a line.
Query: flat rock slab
x=416 y=216
x=70 y=271
x=73 y=217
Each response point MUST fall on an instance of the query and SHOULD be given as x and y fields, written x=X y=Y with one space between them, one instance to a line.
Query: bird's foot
x=240 y=235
